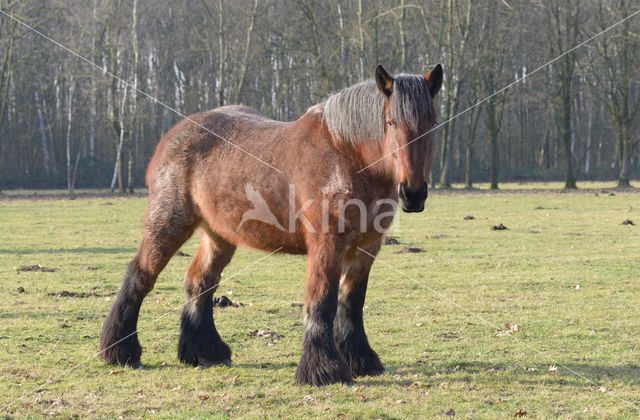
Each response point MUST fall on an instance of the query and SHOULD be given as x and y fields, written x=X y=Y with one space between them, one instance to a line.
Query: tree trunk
x=360 y=42
x=403 y=36
x=570 y=178
x=468 y=166
x=5 y=82
x=134 y=96
x=117 y=169
x=247 y=50
x=68 y=136
x=625 y=159
x=221 y=55
x=92 y=92
x=46 y=159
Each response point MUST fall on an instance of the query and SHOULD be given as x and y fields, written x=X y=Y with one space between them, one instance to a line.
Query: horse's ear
x=434 y=79
x=384 y=80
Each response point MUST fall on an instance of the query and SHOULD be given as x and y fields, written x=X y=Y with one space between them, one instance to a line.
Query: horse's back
x=197 y=134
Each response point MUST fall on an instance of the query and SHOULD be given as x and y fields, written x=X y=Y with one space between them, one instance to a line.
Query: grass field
x=567 y=272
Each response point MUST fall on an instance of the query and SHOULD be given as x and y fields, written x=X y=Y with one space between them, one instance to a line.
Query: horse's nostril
x=407 y=194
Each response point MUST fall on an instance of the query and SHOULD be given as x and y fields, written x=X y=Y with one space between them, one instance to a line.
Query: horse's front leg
x=321 y=362
x=350 y=336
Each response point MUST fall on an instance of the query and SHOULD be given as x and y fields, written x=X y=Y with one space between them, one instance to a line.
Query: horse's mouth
x=412 y=208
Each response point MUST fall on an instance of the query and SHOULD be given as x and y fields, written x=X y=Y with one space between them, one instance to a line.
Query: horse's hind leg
x=349 y=326
x=200 y=344
x=169 y=223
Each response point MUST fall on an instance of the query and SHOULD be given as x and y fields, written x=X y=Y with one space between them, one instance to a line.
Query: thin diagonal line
x=503 y=89
x=493 y=325
x=155 y=321
x=159 y=102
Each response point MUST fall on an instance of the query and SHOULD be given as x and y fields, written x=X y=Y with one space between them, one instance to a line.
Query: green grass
x=438 y=326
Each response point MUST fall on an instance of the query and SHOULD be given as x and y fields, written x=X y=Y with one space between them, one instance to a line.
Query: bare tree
x=618 y=77
x=577 y=116
x=563 y=18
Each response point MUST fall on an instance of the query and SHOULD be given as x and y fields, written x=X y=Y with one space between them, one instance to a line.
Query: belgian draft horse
x=355 y=147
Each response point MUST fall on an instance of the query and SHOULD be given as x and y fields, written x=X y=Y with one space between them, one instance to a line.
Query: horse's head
x=410 y=114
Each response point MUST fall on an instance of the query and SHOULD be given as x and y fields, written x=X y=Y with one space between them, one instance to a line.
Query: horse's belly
x=268 y=238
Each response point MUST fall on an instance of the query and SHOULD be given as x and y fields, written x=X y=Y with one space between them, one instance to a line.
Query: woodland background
x=65 y=124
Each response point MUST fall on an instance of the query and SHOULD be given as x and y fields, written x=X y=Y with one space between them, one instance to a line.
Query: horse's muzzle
x=413 y=200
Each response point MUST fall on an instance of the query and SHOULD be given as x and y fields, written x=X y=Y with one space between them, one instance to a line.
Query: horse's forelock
x=411 y=102
x=356 y=114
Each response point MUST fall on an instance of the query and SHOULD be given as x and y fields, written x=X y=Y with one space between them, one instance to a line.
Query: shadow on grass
x=92 y=250
x=580 y=374
x=470 y=372
x=177 y=365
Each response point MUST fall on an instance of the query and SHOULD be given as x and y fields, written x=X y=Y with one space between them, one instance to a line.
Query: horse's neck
x=374 y=159
x=370 y=155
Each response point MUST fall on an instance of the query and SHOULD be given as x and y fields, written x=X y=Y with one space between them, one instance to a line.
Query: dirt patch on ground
x=36 y=267
x=68 y=294
x=224 y=302
x=499 y=226
x=182 y=254
x=470 y=217
x=409 y=250
x=628 y=222
x=390 y=240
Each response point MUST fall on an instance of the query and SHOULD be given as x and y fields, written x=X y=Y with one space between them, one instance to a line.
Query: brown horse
x=325 y=185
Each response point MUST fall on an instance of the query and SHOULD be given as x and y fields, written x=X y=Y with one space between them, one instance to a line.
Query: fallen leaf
x=553 y=368
x=58 y=402
x=309 y=399
x=274 y=336
x=520 y=413
x=603 y=389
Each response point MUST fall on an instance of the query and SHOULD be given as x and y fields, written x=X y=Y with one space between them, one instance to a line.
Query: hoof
x=124 y=353
x=366 y=364
x=203 y=351
x=320 y=369
x=362 y=360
